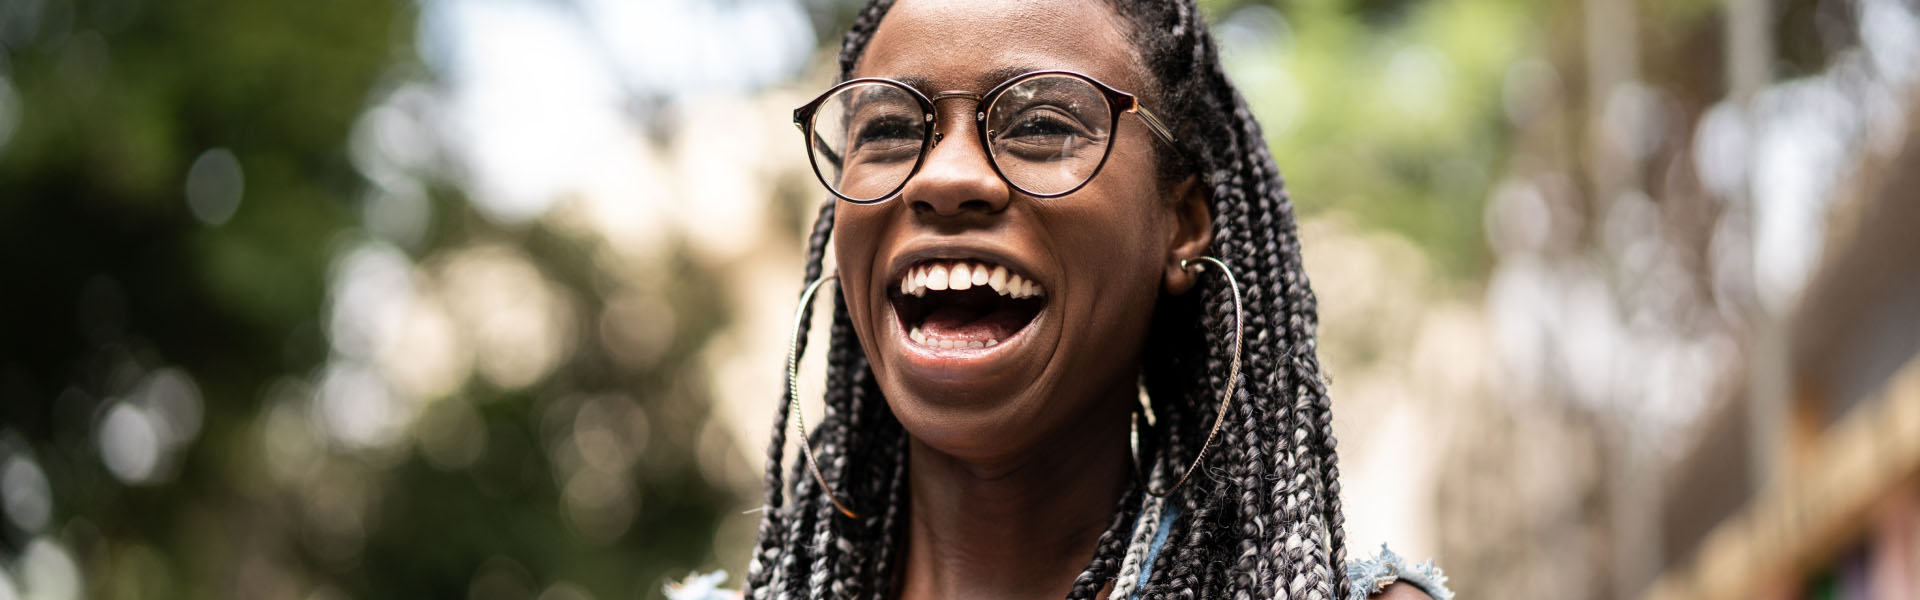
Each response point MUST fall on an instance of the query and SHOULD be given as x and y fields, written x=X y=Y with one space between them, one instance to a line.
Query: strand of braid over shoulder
x=1067 y=304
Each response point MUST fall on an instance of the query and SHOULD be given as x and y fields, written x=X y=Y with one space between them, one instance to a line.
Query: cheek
x=1118 y=242
x=1121 y=223
x=856 y=241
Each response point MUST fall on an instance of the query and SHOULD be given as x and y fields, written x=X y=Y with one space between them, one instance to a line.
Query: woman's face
x=985 y=373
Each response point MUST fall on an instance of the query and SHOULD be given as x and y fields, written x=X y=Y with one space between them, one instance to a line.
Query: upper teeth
x=960 y=275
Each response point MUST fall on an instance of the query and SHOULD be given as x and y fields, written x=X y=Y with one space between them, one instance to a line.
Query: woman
x=1072 y=351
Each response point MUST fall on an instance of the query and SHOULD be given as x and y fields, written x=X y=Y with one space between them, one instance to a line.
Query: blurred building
x=1706 y=305
x=1811 y=486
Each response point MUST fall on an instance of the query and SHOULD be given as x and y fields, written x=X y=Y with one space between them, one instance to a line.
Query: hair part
x=1263 y=516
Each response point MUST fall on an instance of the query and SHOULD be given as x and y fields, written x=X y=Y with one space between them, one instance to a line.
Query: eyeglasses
x=1046 y=133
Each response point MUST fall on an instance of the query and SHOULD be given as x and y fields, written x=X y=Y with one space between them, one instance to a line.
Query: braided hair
x=1262 y=518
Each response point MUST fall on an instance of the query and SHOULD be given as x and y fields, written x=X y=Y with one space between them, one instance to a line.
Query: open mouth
x=964 y=304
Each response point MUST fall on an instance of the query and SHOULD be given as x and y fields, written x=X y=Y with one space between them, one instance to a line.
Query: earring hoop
x=1233 y=375
x=793 y=391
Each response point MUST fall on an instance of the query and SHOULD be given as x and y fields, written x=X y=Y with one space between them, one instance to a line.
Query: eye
x=1044 y=133
x=885 y=130
x=885 y=138
x=1042 y=125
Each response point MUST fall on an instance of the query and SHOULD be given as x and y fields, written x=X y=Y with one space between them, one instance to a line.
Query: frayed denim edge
x=1371 y=575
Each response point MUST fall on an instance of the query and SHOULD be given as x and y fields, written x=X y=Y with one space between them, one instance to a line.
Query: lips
x=948 y=305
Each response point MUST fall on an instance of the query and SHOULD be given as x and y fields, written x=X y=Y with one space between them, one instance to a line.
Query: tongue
x=962 y=323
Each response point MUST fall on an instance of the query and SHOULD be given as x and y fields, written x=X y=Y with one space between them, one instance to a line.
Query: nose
x=956 y=178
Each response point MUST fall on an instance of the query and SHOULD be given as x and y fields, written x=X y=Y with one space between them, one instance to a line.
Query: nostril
x=924 y=207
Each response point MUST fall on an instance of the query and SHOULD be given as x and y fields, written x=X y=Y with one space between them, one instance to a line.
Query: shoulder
x=1387 y=576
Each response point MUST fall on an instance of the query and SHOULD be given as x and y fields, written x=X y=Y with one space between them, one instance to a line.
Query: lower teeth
x=920 y=337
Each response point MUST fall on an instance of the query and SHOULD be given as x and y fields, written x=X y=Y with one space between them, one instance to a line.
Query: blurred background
x=487 y=299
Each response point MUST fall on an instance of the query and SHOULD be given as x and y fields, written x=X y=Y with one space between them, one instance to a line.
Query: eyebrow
x=982 y=83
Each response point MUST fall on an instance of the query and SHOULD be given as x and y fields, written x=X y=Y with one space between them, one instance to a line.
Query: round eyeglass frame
x=1117 y=101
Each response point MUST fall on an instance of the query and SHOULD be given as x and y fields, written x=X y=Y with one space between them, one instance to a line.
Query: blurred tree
x=176 y=194
x=168 y=193
x=117 y=103
x=1388 y=110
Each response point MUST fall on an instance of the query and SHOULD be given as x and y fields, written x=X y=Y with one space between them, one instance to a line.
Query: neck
x=1023 y=527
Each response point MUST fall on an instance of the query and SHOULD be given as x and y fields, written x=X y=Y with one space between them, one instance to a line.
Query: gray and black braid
x=1262 y=520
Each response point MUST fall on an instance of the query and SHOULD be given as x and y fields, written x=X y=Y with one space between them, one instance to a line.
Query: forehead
x=972 y=45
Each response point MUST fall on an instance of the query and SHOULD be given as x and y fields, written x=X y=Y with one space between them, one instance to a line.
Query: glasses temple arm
x=1153 y=123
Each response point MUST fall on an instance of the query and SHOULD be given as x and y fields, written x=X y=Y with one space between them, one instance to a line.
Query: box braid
x=1262 y=521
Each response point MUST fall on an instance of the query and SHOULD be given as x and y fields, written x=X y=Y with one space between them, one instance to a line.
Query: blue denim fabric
x=1368 y=575
x=1371 y=575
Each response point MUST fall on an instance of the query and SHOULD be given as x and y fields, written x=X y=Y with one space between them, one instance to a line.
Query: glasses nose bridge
x=955 y=94
x=951 y=177
x=978 y=114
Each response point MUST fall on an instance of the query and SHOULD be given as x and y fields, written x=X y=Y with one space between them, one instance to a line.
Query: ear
x=1192 y=233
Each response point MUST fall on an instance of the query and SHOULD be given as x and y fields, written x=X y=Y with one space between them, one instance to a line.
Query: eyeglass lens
x=1046 y=134
x=867 y=138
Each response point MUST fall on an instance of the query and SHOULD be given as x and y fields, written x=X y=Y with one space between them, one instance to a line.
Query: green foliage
x=110 y=277
x=91 y=184
x=108 y=273
x=1389 y=111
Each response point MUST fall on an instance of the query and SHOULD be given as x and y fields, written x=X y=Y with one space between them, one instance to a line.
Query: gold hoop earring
x=1233 y=378
x=793 y=391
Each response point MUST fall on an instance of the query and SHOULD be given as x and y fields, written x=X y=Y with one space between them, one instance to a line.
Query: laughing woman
x=1073 y=349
